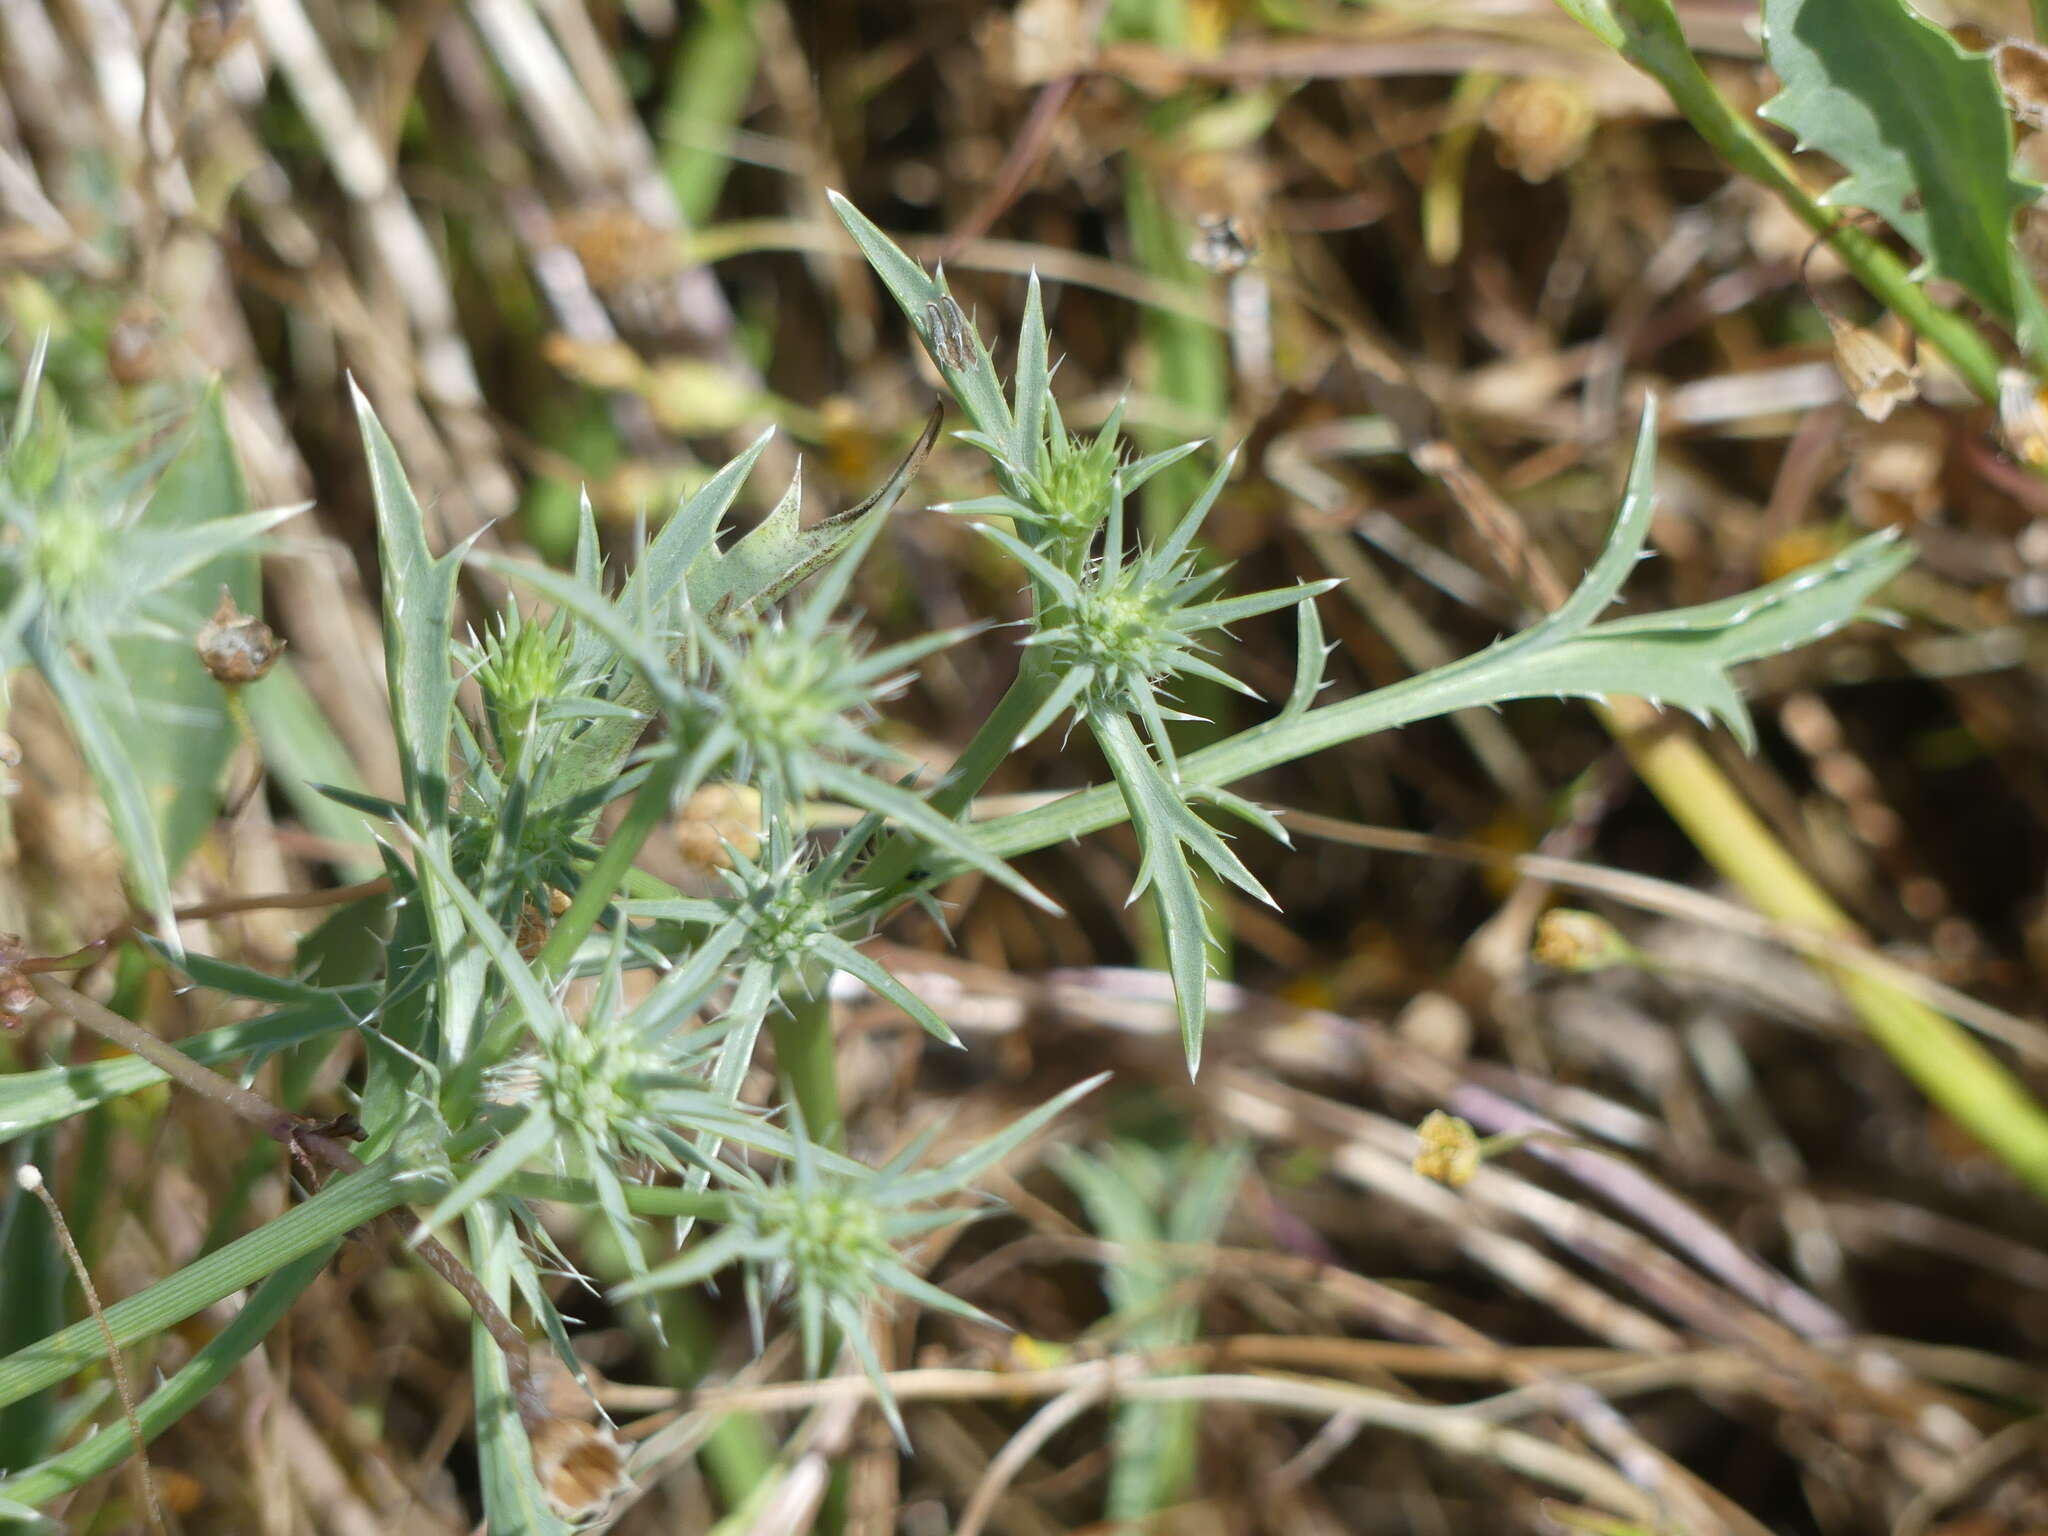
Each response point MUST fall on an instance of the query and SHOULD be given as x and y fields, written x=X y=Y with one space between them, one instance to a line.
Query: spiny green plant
x=112 y=556
x=492 y=1087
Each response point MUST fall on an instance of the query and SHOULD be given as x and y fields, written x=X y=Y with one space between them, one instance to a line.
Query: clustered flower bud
x=524 y=667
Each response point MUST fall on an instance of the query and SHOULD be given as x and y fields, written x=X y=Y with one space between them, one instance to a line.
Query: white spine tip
x=29 y=1177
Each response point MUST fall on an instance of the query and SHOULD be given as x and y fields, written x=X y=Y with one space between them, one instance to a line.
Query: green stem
x=993 y=742
x=641 y=1199
x=1651 y=40
x=805 y=1049
x=2040 y=10
x=707 y=94
x=739 y=1451
x=609 y=870
x=1953 y=1070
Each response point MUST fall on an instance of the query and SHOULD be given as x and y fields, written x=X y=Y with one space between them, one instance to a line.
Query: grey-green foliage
x=111 y=560
x=1125 y=625
x=489 y=1089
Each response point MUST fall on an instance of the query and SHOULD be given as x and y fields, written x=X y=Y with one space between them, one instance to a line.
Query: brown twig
x=225 y=906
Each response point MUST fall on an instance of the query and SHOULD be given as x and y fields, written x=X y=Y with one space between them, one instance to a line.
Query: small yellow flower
x=1571 y=940
x=1449 y=1151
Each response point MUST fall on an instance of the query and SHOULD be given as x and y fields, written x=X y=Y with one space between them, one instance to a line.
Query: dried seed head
x=134 y=345
x=581 y=1468
x=1878 y=375
x=236 y=647
x=717 y=819
x=1570 y=940
x=17 y=996
x=1540 y=126
x=2023 y=416
x=535 y=925
x=2023 y=75
x=1449 y=1151
x=17 y=992
x=620 y=250
x=531 y=934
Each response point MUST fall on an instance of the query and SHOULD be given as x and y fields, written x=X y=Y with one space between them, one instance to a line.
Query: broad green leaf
x=182 y=742
x=1033 y=374
x=1917 y=121
x=301 y=750
x=92 y=705
x=777 y=555
x=689 y=537
x=419 y=623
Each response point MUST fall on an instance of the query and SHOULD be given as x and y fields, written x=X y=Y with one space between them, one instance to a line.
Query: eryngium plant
x=493 y=1086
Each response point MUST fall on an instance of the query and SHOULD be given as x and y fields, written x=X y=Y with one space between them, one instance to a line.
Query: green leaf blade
x=1917 y=121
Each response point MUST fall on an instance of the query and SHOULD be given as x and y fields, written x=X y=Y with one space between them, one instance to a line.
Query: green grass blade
x=343 y=1205
x=194 y=1381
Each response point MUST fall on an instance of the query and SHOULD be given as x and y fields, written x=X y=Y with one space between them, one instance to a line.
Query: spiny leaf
x=419 y=615
x=1919 y=124
x=1166 y=826
x=419 y=620
x=973 y=381
x=914 y=814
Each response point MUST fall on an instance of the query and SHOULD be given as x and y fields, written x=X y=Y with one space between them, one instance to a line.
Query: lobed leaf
x=1919 y=124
